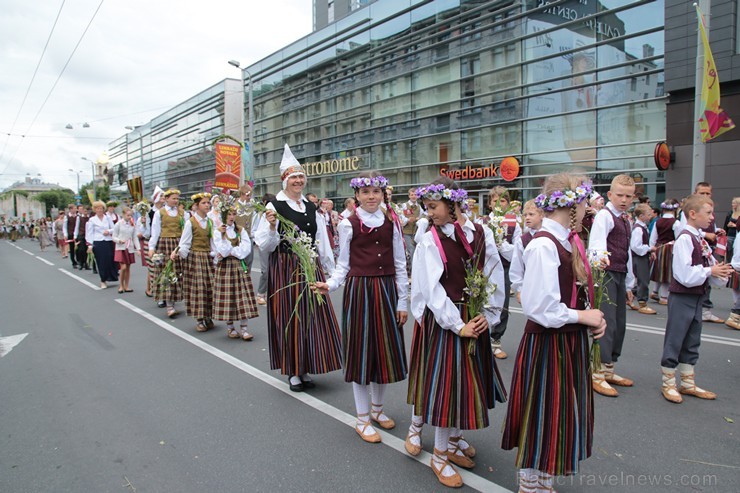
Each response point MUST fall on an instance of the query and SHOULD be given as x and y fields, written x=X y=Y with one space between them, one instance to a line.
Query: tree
x=58 y=198
x=103 y=193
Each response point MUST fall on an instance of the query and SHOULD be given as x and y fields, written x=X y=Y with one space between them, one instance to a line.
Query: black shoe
x=308 y=384
x=161 y=304
x=295 y=387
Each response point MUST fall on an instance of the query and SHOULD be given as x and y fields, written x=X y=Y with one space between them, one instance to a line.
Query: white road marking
x=660 y=331
x=44 y=260
x=8 y=343
x=29 y=253
x=472 y=480
x=86 y=283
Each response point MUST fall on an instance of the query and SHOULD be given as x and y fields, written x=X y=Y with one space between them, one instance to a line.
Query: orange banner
x=228 y=166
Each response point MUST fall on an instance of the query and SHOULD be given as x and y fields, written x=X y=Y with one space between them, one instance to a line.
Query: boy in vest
x=532 y=216
x=611 y=233
x=641 y=253
x=693 y=269
x=412 y=212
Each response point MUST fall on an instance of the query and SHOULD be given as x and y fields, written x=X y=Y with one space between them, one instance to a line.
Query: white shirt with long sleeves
x=428 y=269
x=223 y=248
x=541 y=285
x=157 y=224
x=677 y=227
x=371 y=220
x=95 y=227
x=735 y=262
x=636 y=244
x=124 y=234
x=64 y=225
x=516 y=269
x=186 y=240
x=506 y=249
x=603 y=225
x=685 y=273
x=267 y=239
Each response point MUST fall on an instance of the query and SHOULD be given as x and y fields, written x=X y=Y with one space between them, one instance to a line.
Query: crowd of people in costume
x=453 y=271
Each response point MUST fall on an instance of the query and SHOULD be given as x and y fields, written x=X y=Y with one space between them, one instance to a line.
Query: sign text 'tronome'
x=331 y=166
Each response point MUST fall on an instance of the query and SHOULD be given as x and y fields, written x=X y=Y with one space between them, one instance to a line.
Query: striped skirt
x=300 y=342
x=372 y=342
x=550 y=418
x=233 y=293
x=166 y=291
x=662 y=268
x=198 y=285
x=449 y=387
x=734 y=281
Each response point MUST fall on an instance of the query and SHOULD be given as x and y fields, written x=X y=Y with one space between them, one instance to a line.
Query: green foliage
x=103 y=193
x=58 y=198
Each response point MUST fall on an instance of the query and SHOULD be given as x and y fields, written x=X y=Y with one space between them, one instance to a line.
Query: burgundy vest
x=696 y=259
x=645 y=238
x=371 y=251
x=83 y=222
x=453 y=279
x=565 y=279
x=71 y=220
x=526 y=238
x=618 y=243
x=664 y=227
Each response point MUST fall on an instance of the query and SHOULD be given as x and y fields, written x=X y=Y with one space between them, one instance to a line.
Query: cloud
x=138 y=59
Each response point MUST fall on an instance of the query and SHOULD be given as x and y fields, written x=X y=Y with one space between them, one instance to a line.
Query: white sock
x=528 y=480
x=441 y=438
x=306 y=378
x=462 y=443
x=295 y=380
x=243 y=323
x=416 y=425
x=362 y=398
x=377 y=390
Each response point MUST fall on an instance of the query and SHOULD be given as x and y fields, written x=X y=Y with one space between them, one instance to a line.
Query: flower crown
x=200 y=196
x=440 y=192
x=171 y=191
x=564 y=198
x=376 y=181
x=669 y=207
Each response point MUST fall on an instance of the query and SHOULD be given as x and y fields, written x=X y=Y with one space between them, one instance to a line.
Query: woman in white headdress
x=302 y=342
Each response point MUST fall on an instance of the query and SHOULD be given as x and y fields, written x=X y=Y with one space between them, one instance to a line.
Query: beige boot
x=733 y=322
x=645 y=310
x=600 y=385
x=688 y=387
x=613 y=378
x=669 y=385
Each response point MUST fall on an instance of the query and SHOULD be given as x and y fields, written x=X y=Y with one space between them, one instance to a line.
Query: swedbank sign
x=333 y=166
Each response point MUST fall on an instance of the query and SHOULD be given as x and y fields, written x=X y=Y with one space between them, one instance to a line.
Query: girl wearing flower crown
x=372 y=259
x=233 y=298
x=667 y=227
x=550 y=412
x=453 y=379
x=196 y=245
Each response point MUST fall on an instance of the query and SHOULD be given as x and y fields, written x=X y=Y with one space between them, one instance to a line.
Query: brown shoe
x=633 y=307
x=386 y=424
x=688 y=386
x=469 y=450
x=646 y=310
x=600 y=386
x=261 y=300
x=201 y=327
x=209 y=323
x=410 y=447
x=498 y=353
x=246 y=336
x=171 y=312
x=232 y=333
x=360 y=428
x=613 y=378
x=733 y=322
x=654 y=297
x=458 y=457
x=454 y=481
x=669 y=386
x=663 y=301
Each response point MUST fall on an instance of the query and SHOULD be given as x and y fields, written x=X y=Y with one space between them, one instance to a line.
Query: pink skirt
x=124 y=257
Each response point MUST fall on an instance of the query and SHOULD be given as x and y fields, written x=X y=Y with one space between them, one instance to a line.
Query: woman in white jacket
x=127 y=242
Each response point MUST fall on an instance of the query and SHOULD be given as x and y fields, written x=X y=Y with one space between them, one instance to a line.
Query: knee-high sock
x=441 y=437
x=377 y=390
x=362 y=400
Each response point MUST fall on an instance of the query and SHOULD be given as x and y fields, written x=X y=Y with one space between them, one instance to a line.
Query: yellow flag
x=713 y=120
x=91 y=195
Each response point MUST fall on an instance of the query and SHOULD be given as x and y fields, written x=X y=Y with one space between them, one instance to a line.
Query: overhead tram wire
x=33 y=77
x=55 y=82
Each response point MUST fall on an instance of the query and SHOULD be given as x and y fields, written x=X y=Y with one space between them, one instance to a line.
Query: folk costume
x=453 y=381
x=550 y=412
x=516 y=270
x=99 y=235
x=611 y=233
x=640 y=246
x=232 y=285
x=372 y=259
x=167 y=227
x=301 y=341
x=733 y=283
x=80 y=245
x=662 y=237
x=692 y=261
x=195 y=247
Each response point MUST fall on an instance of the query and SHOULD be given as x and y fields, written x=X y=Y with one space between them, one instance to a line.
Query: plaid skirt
x=448 y=386
x=233 y=292
x=144 y=251
x=304 y=335
x=550 y=418
x=164 y=291
x=198 y=285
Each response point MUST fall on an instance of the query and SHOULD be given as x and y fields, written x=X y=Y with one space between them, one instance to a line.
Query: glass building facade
x=413 y=88
x=175 y=149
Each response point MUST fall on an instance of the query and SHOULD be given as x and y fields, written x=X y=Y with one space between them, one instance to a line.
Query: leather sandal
x=410 y=447
x=361 y=426
x=232 y=333
x=246 y=336
x=600 y=386
x=454 y=481
x=469 y=451
x=171 y=312
x=387 y=424
x=460 y=459
x=200 y=327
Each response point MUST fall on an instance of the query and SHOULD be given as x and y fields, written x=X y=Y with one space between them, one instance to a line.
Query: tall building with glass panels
x=413 y=88
x=175 y=149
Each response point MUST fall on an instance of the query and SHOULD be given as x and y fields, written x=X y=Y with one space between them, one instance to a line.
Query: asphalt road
x=105 y=394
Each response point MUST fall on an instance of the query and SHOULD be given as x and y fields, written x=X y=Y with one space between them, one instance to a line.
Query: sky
x=137 y=59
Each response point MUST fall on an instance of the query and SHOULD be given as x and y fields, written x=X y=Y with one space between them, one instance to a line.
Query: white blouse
x=186 y=240
x=373 y=220
x=222 y=246
x=428 y=269
x=687 y=274
x=95 y=229
x=636 y=245
x=267 y=239
x=540 y=292
x=516 y=270
x=124 y=234
x=603 y=225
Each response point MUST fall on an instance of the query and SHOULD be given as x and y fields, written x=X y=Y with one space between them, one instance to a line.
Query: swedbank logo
x=508 y=169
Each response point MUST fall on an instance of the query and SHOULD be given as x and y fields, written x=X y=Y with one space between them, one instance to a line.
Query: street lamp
x=95 y=188
x=78 y=184
x=250 y=149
